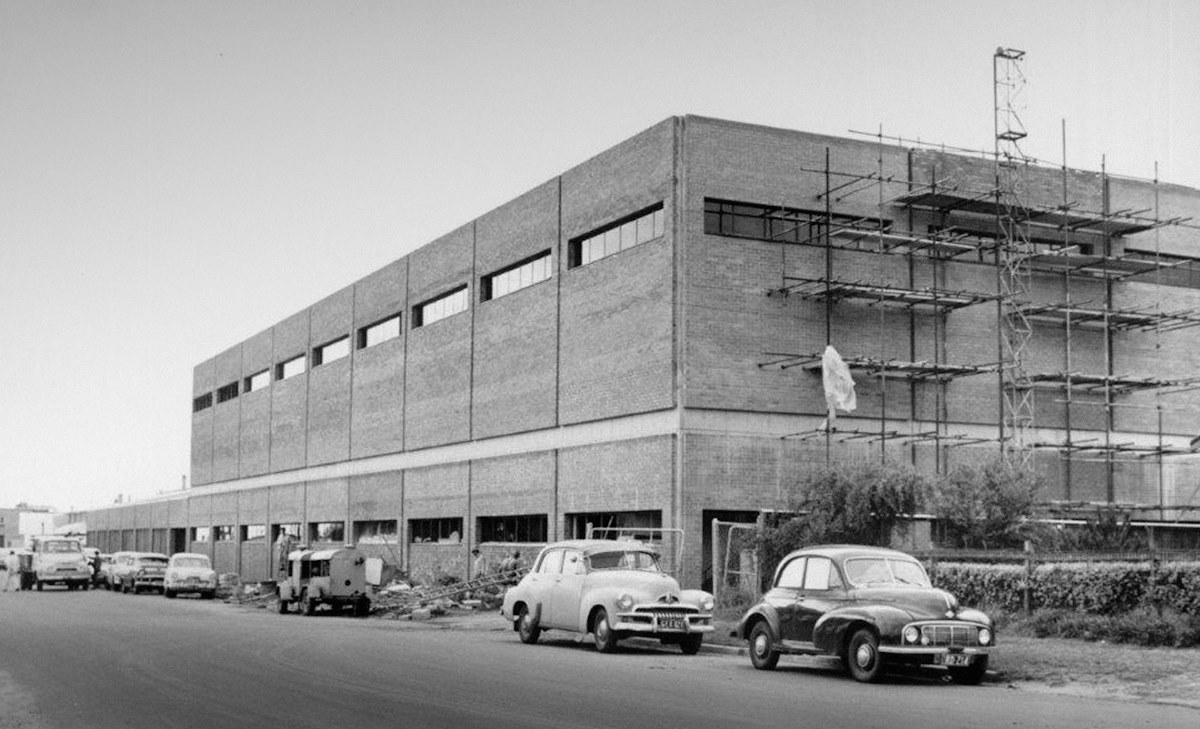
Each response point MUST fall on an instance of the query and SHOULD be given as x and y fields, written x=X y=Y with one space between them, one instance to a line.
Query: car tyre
x=362 y=607
x=526 y=628
x=863 y=657
x=39 y=585
x=168 y=593
x=124 y=588
x=690 y=644
x=971 y=675
x=602 y=633
x=763 y=655
x=207 y=594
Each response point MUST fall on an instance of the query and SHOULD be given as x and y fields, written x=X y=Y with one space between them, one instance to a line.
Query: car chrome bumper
x=638 y=623
x=934 y=650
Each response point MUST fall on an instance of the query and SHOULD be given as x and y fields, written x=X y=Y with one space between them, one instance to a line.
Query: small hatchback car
x=189 y=572
x=871 y=607
x=611 y=589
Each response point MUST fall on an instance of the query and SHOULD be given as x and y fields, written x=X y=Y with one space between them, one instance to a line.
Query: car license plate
x=958 y=659
x=667 y=623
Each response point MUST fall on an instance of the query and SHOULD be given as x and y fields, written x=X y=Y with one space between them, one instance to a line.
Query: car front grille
x=953 y=635
x=672 y=611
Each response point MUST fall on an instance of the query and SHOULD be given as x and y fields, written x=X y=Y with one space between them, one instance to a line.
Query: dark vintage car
x=870 y=607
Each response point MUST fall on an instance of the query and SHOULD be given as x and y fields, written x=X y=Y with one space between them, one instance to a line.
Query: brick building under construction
x=636 y=343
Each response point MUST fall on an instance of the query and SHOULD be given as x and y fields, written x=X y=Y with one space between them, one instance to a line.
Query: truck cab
x=59 y=561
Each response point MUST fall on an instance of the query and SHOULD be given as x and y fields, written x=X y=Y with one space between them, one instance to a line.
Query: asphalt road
x=100 y=659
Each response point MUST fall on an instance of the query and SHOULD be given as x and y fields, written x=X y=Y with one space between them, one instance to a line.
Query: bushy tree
x=985 y=506
x=853 y=503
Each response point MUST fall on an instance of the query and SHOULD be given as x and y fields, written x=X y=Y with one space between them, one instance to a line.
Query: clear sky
x=178 y=176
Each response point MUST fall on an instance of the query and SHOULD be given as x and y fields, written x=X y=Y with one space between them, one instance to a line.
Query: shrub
x=1094 y=589
x=856 y=503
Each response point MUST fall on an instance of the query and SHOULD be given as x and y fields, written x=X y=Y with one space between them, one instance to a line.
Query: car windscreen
x=884 y=571
x=60 y=546
x=151 y=560
x=191 y=562
x=628 y=560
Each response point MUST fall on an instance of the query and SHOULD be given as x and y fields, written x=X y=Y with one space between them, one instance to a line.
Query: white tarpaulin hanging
x=839 y=385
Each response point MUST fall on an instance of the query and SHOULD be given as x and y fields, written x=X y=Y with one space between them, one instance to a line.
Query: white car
x=611 y=589
x=190 y=572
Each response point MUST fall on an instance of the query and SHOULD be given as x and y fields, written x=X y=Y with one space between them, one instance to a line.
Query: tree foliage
x=856 y=503
x=985 y=506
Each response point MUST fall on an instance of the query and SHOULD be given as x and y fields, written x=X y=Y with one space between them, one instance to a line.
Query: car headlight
x=911 y=634
x=707 y=603
x=985 y=636
x=625 y=601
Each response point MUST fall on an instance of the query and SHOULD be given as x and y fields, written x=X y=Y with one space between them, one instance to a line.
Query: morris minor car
x=610 y=589
x=871 y=608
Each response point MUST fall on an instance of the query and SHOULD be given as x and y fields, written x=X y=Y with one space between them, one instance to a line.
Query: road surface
x=101 y=659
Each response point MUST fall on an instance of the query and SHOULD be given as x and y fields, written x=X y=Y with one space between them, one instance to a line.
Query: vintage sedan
x=189 y=572
x=611 y=589
x=870 y=607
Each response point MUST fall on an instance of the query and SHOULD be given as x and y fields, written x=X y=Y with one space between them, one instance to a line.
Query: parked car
x=117 y=563
x=143 y=571
x=333 y=577
x=188 y=572
x=871 y=607
x=611 y=589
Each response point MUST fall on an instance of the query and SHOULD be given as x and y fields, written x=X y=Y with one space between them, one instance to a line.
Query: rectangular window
x=228 y=392
x=200 y=534
x=380 y=331
x=257 y=381
x=776 y=223
x=254 y=532
x=327 y=531
x=516 y=277
x=290 y=368
x=520 y=528
x=627 y=521
x=204 y=402
x=222 y=533
x=291 y=529
x=330 y=352
x=642 y=226
x=375 y=532
x=443 y=306
x=447 y=530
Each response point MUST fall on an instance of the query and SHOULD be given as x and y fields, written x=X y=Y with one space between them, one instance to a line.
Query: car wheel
x=690 y=644
x=763 y=655
x=168 y=593
x=603 y=634
x=207 y=595
x=283 y=607
x=971 y=675
x=39 y=585
x=526 y=628
x=862 y=656
x=124 y=588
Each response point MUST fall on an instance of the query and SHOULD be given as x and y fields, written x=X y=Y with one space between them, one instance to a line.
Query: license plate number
x=671 y=624
x=958 y=659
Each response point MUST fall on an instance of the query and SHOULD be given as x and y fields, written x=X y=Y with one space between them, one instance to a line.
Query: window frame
x=363 y=337
x=499 y=279
x=617 y=236
x=326 y=354
x=258 y=381
x=281 y=369
x=423 y=314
